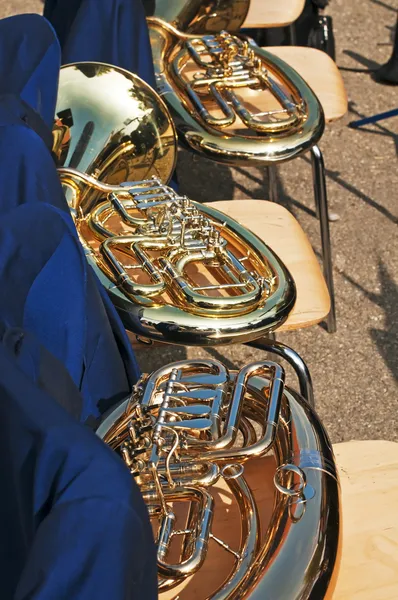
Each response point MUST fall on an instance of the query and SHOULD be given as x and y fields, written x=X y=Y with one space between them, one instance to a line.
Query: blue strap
x=374 y=119
x=42 y=368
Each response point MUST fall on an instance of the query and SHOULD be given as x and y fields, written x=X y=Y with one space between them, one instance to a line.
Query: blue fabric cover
x=29 y=63
x=30 y=59
x=48 y=288
x=27 y=170
x=42 y=368
x=73 y=522
x=108 y=31
x=46 y=283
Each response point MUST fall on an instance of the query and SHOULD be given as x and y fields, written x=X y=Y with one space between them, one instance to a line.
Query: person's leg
x=389 y=72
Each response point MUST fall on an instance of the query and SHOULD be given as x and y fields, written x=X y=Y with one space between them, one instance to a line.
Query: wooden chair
x=323 y=76
x=265 y=14
x=283 y=234
x=369 y=481
x=369 y=491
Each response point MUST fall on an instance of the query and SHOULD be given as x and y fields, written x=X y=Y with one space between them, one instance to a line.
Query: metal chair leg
x=273 y=183
x=319 y=183
x=292 y=34
x=295 y=360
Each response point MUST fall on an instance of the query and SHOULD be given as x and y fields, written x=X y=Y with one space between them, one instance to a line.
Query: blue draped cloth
x=30 y=59
x=27 y=170
x=46 y=283
x=108 y=31
x=48 y=288
x=73 y=522
x=29 y=63
x=42 y=368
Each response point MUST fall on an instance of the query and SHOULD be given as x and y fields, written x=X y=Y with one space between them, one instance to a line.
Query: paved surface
x=355 y=371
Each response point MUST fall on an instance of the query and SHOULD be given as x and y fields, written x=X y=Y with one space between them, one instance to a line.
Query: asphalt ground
x=355 y=370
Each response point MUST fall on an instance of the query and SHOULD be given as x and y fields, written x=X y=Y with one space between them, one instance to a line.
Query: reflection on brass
x=112 y=126
x=200 y=16
x=215 y=87
x=193 y=424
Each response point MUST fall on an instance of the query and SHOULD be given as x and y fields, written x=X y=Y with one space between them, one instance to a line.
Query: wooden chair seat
x=369 y=481
x=270 y=13
x=369 y=490
x=278 y=228
x=321 y=74
x=282 y=233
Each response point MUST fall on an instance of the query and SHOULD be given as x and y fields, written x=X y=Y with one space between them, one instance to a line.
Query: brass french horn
x=200 y=16
x=231 y=100
x=177 y=271
x=239 y=479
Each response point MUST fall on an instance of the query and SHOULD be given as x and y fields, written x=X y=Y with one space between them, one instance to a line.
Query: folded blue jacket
x=108 y=31
x=29 y=63
x=73 y=522
x=46 y=285
x=48 y=288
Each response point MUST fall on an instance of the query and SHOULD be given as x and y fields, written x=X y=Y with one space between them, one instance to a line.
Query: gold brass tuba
x=239 y=479
x=231 y=100
x=177 y=271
